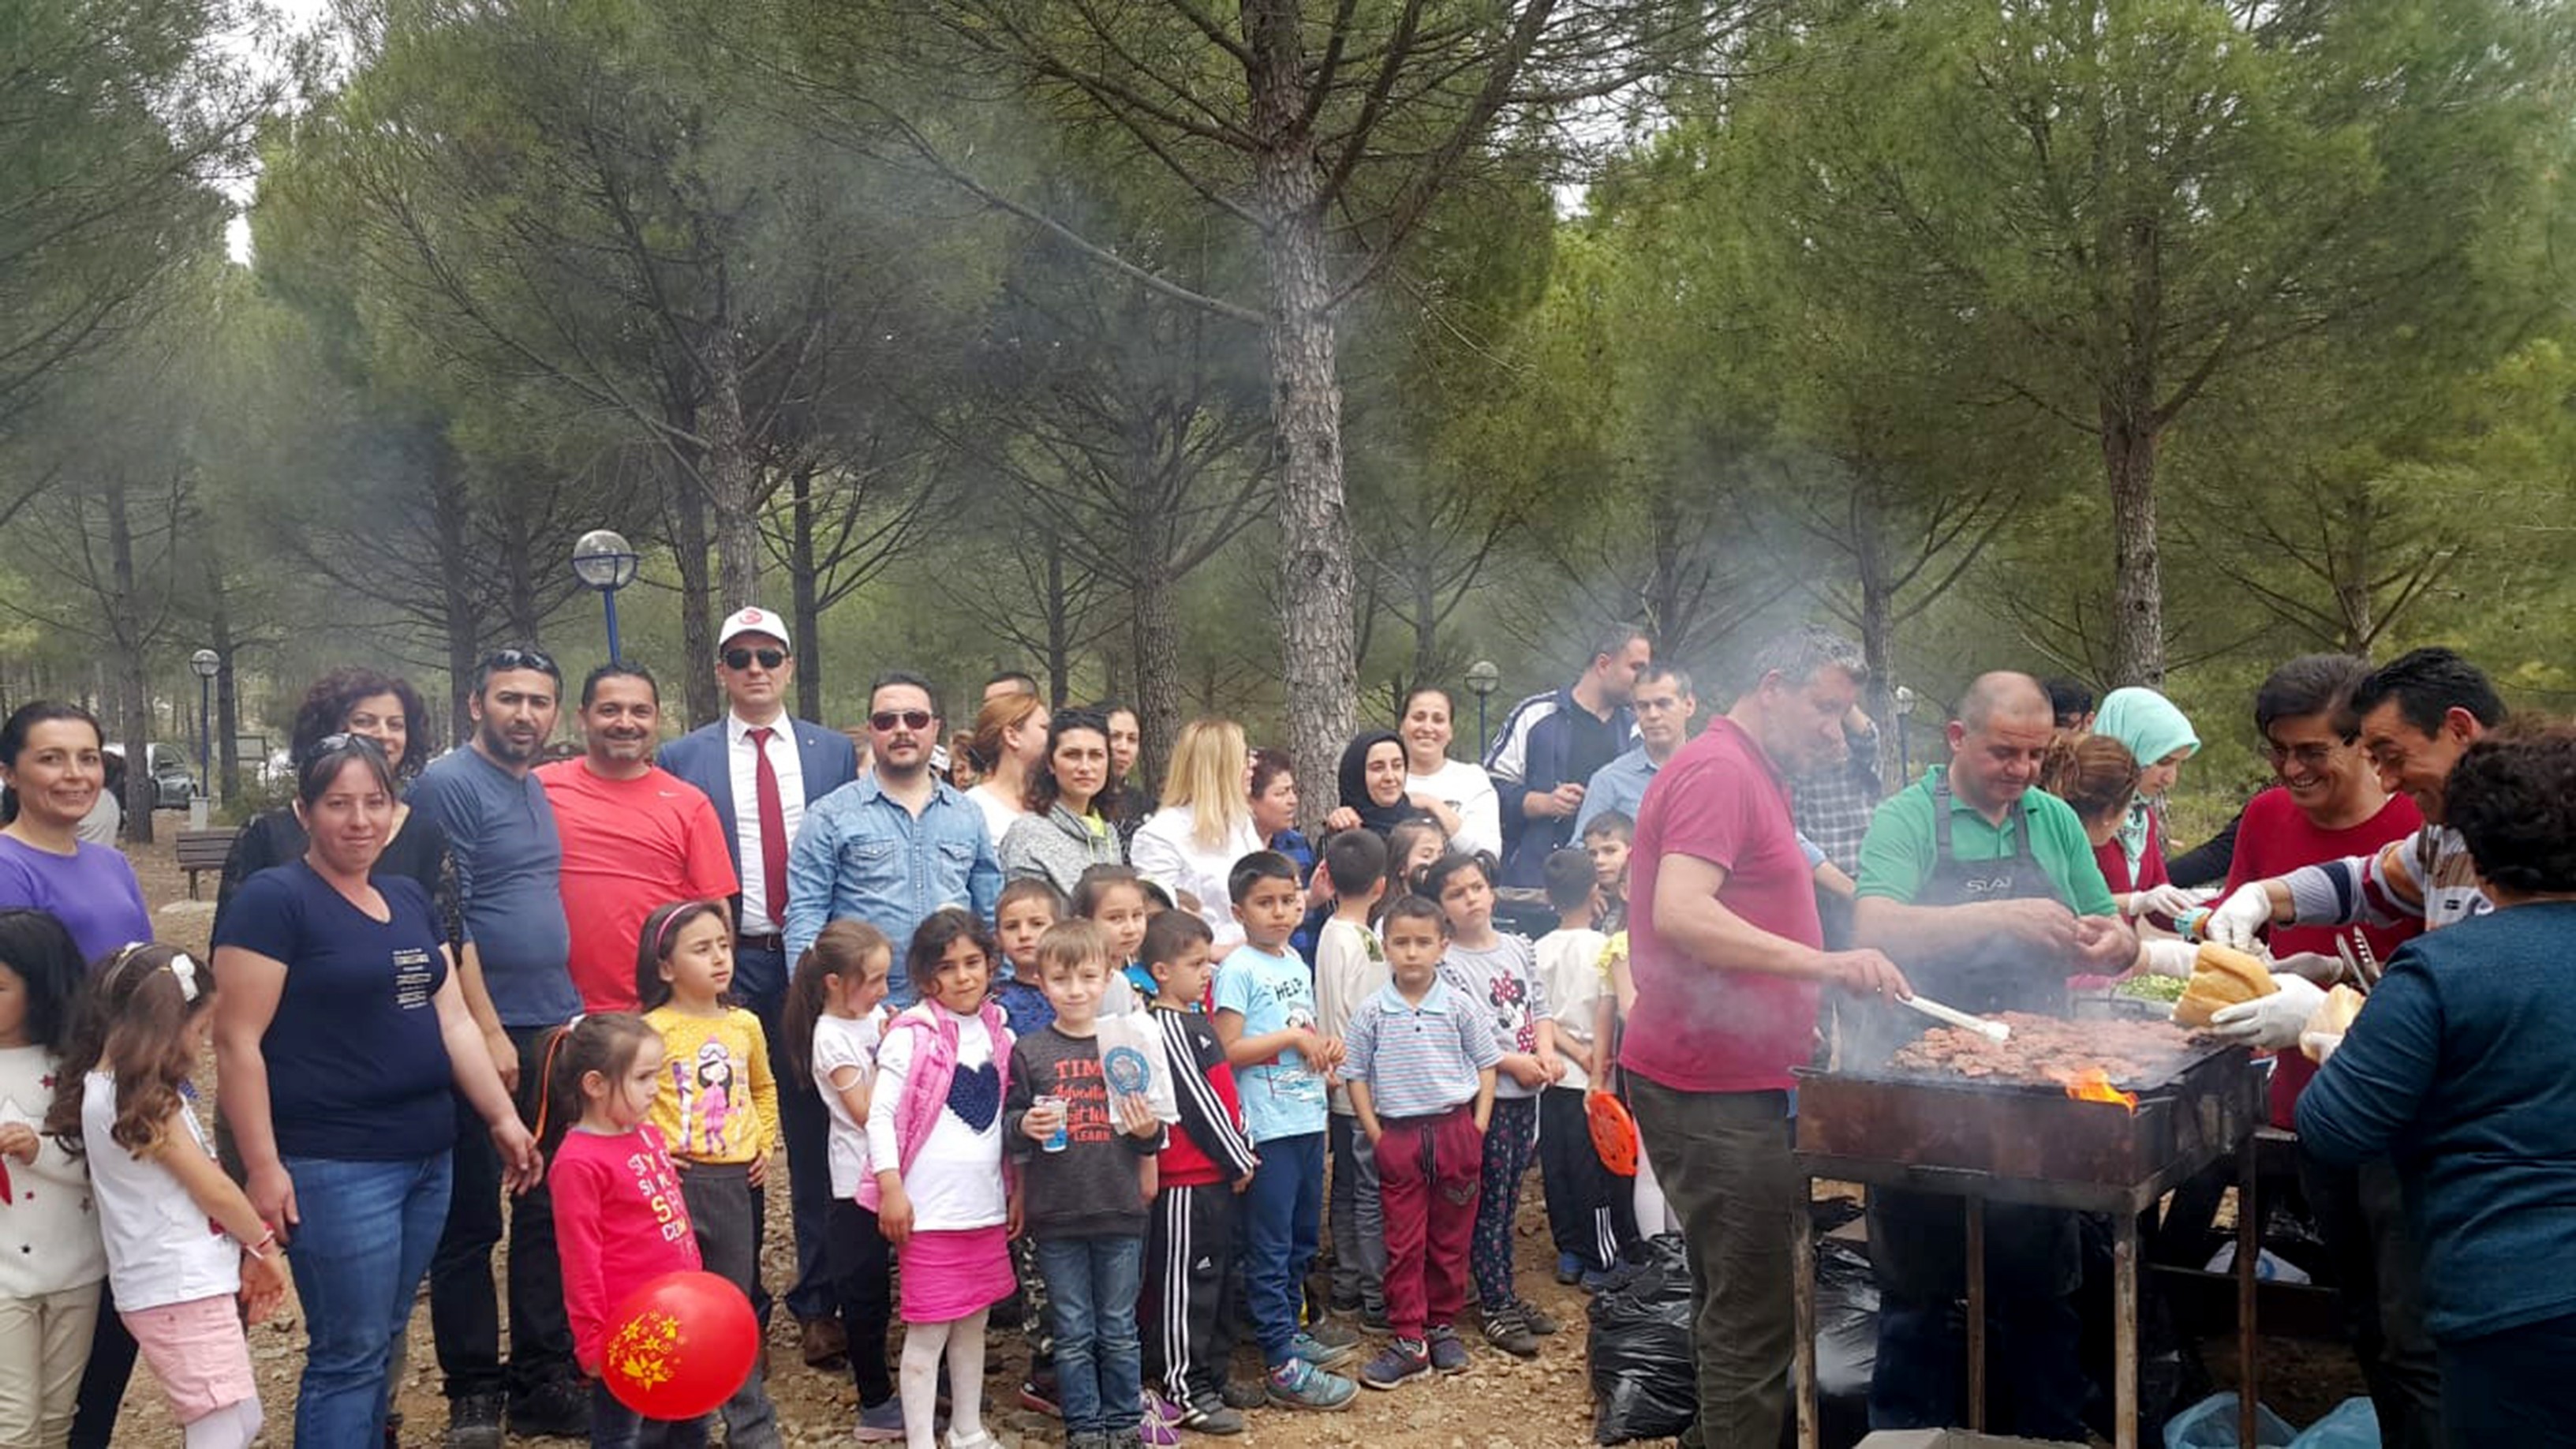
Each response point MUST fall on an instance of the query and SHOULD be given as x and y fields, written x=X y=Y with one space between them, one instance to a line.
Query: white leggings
x=962 y=1342
x=1654 y=1215
x=234 y=1426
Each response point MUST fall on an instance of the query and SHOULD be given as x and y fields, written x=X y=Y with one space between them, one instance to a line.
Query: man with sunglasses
x=763 y=770
x=897 y=843
x=508 y=857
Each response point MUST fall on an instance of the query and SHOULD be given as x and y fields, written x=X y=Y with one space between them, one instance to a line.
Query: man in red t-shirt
x=1728 y=956
x=2328 y=806
x=635 y=836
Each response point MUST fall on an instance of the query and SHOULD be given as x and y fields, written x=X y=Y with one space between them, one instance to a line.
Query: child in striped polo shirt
x=1420 y=1066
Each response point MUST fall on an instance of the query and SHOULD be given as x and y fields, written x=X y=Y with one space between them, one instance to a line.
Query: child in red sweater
x=619 y=1218
x=1207 y=1162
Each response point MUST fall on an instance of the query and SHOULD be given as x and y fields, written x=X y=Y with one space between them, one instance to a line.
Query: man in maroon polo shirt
x=1729 y=959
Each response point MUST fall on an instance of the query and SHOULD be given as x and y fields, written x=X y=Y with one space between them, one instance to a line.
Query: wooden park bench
x=204 y=850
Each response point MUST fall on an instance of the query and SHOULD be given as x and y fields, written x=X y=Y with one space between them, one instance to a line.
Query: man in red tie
x=761 y=768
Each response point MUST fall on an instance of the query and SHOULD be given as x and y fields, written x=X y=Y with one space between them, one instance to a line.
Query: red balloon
x=679 y=1346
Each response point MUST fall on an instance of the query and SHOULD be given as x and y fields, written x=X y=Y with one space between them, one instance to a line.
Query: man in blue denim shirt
x=896 y=843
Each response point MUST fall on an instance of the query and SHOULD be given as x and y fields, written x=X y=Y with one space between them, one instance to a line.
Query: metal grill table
x=1985 y=1141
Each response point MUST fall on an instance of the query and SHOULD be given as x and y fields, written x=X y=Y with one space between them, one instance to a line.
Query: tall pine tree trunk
x=132 y=684
x=2138 y=585
x=1315 y=576
x=1155 y=648
x=733 y=477
x=804 y=594
x=697 y=630
x=457 y=571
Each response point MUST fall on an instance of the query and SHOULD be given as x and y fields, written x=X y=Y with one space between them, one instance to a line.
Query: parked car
x=174 y=784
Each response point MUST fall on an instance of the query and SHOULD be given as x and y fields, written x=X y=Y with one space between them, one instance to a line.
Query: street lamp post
x=1482 y=680
x=1904 y=740
x=605 y=561
x=207 y=663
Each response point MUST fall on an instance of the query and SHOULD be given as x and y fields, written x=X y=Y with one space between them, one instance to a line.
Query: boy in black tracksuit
x=1207 y=1161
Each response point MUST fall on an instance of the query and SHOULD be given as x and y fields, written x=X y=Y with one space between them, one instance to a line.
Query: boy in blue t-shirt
x=1265 y=1015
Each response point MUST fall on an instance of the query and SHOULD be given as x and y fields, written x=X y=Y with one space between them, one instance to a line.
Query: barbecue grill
x=1987 y=1140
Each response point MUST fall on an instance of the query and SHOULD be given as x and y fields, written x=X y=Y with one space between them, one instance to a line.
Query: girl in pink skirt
x=184 y=1246
x=935 y=1137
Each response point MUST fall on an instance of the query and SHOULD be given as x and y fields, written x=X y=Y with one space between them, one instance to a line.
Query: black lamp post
x=1482 y=680
x=208 y=664
x=605 y=561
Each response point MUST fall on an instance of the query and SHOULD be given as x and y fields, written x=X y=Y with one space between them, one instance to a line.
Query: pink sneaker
x=1157 y=1434
x=1163 y=1409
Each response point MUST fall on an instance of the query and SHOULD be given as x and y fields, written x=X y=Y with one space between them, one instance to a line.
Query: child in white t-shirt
x=1589 y=1211
x=834 y=1019
x=158 y=1189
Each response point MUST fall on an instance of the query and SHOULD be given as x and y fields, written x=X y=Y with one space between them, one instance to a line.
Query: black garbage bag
x=1639 y=1346
x=1846 y=1341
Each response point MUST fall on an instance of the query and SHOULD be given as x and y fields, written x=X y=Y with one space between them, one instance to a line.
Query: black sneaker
x=1448 y=1354
x=1505 y=1329
x=1240 y=1395
x=1212 y=1415
x=557 y=1409
x=474 y=1421
x=1373 y=1318
x=1540 y=1321
x=1399 y=1363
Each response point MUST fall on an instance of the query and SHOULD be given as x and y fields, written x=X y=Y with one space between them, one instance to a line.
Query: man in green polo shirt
x=1985 y=892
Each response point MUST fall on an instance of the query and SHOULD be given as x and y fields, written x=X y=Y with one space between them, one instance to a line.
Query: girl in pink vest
x=935 y=1139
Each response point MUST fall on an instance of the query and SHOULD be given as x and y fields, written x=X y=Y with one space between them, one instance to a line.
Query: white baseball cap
x=754 y=620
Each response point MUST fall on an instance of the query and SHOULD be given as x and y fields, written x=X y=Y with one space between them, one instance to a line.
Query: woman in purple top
x=53 y=758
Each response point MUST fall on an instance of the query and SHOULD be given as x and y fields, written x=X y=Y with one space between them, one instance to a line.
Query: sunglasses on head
x=536 y=659
x=741 y=658
x=332 y=744
x=884 y=720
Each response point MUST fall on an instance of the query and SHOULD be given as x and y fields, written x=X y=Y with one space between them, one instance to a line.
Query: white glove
x=2169 y=901
x=2240 y=918
x=2270 y=1023
x=2320 y=1045
x=2169 y=958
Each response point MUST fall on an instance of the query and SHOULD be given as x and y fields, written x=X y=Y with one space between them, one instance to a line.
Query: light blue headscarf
x=2149 y=725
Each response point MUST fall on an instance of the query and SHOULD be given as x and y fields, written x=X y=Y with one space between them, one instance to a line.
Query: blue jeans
x=1092 y=1287
x=1281 y=1212
x=615 y=1426
x=367 y=1232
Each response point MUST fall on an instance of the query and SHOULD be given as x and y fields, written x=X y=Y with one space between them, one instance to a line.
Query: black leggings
x=862 y=1270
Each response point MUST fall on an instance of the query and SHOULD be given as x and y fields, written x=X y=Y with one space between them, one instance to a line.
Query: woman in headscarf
x=1372 y=785
x=2159 y=738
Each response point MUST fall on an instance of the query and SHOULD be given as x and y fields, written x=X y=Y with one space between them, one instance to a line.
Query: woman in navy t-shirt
x=339 y=1033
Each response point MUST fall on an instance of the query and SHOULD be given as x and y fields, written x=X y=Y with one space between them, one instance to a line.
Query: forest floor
x=1502 y=1403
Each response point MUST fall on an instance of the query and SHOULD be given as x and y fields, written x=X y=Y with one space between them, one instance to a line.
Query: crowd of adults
x=392 y=946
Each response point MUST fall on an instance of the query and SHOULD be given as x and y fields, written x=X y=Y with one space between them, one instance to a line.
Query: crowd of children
x=1005 y=1136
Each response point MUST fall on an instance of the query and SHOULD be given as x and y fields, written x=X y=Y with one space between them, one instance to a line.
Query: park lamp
x=602 y=559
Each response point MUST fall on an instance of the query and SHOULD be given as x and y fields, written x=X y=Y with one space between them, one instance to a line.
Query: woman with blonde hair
x=1010 y=740
x=1205 y=826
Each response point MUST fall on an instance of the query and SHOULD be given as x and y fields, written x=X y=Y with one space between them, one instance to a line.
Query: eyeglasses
x=741 y=658
x=2314 y=757
x=884 y=720
x=536 y=659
